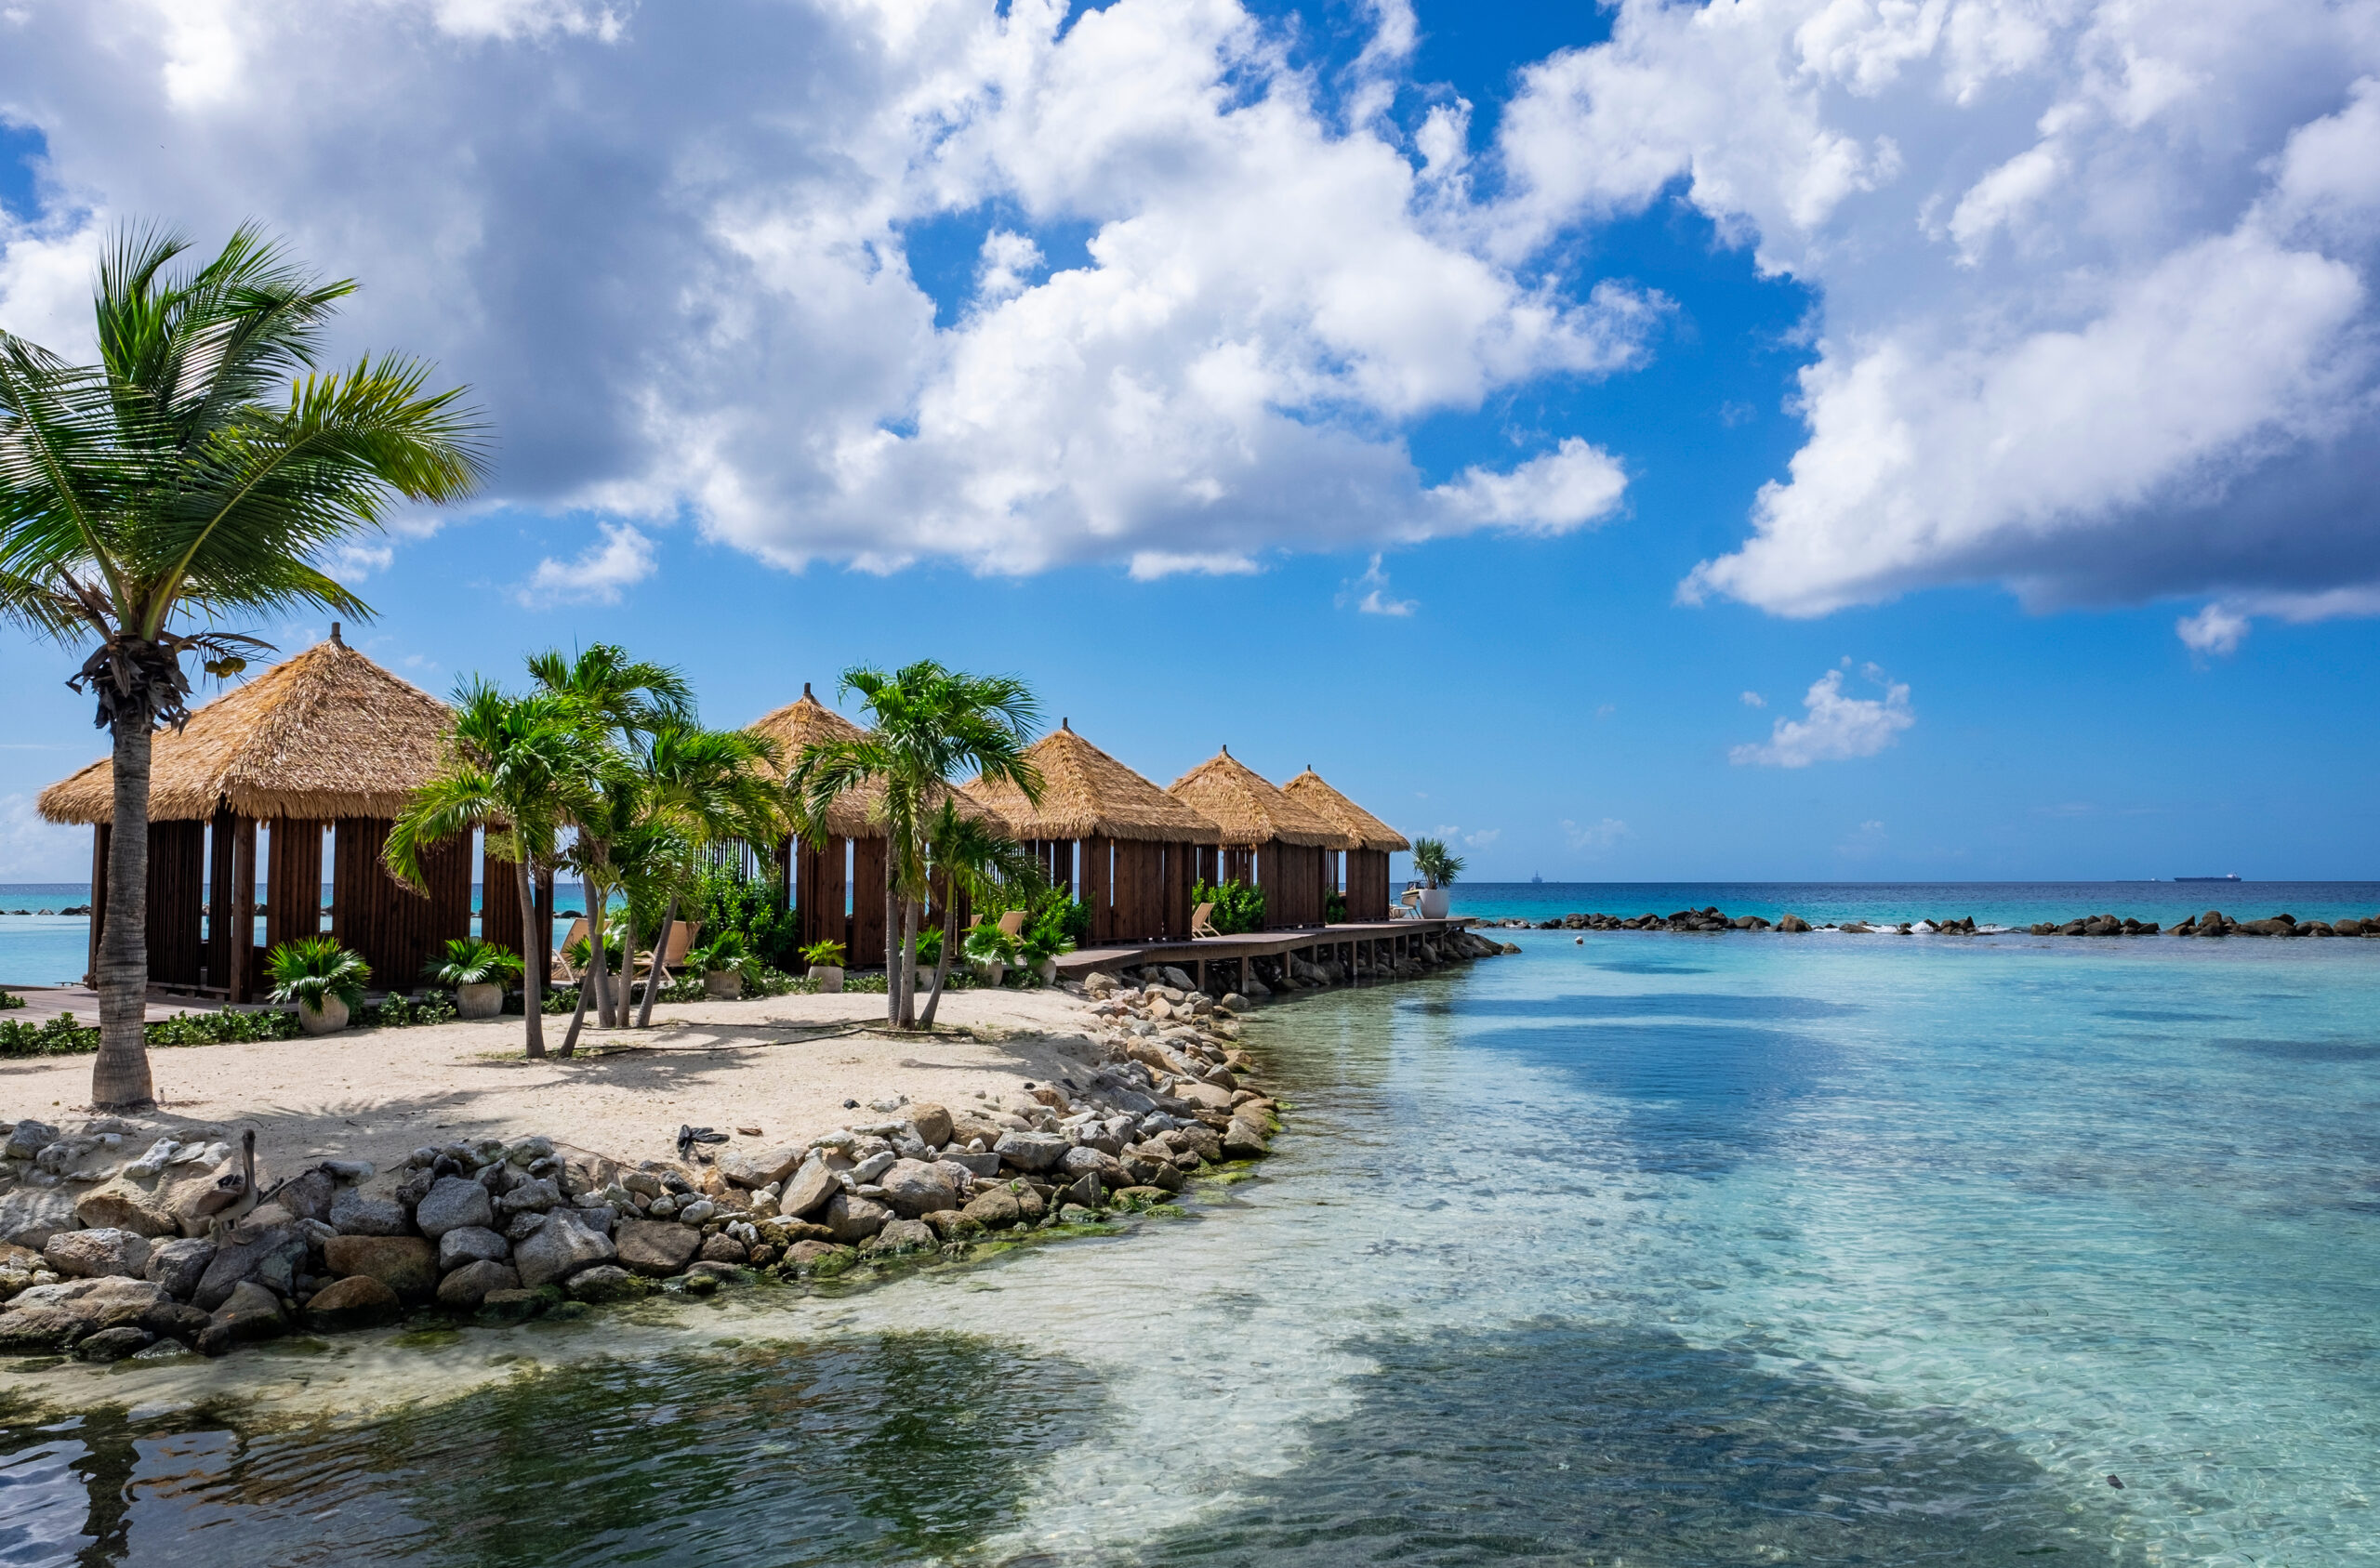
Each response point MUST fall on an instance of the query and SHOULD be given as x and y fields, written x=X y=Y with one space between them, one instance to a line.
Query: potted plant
x=721 y=963
x=323 y=979
x=1439 y=867
x=826 y=960
x=477 y=972
x=1043 y=942
x=990 y=951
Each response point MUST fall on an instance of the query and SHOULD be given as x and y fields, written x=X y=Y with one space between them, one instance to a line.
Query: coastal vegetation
x=1240 y=907
x=201 y=470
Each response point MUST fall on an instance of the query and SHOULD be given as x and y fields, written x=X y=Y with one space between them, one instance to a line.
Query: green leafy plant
x=930 y=948
x=473 y=961
x=403 y=1013
x=1238 y=907
x=1334 y=908
x=754 y=907
x=1436 y=864
x=1045 y=936
x=829 y=953
x=580 y=955
x=309 y=968
x=62 y=1036
x=10 y=999
x=988 y=943
x=724 y=953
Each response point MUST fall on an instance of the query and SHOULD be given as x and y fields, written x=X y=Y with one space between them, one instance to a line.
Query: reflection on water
x=1835 y=1252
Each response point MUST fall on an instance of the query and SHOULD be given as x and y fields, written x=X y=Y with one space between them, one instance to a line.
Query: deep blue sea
x=1633 y=1248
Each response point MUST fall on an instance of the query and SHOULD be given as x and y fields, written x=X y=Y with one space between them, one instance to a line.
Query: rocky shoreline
x=2213 y=923
x=122 y=1243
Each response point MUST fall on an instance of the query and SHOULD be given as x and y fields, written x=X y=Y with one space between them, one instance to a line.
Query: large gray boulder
x=656 y=1247
x=1031 y=1152
x=452 y=1201
x=125 y=1205
x=51 y=1317
x=853 y=1219
x=405 y=1264
x=353 y=1214
x=308 y=1195
x=95 y=1254
x=809 y=1188
x=29 y=1216
x=563 y=1246
x=463 y=1290
x=760 y=1167
x=179 y=1264
x=471 y=1243
x=913 y=1188
x=270 y=1257
x=535 y=1195
x=1083 y=1160
x=27 y=1138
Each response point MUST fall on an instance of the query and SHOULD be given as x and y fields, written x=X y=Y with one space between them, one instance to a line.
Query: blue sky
x=1807 y=482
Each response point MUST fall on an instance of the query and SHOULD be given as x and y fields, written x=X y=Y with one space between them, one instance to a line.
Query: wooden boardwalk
x=1313 y=943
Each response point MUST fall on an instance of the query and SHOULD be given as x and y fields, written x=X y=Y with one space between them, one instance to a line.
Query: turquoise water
x=1644 y=1249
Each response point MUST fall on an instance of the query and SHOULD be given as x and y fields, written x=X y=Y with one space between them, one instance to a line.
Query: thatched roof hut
x=1369 y=833
x=1248 y=809
x=325 y=734
x=807 y=721
x=1087 y=794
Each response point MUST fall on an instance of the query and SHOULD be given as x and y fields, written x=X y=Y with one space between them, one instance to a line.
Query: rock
x=51 y=1317
x=508 y=1306
x=307 y=1196
x=1247 y=1139
x=995 y=1210
x=471 y=1243
x=92 y=1253
x=533 y=1197
x=521 y=1227
x=464 y=1288
x=604 y=1282
x=986 y=1162
x=809 y=1188
x=407 y=1265
x=179 y=1265
x=353 y=1214
x=163 y=1351
x=357 y=1301
x=348 y=1172
x=951 y=1225
x=1137 y=1198
x=655 y=1247
x=599 y=1217
x=874 y=1165
x=29 y=1216
x=1211 y=1097
x=933 y=1124
x=712 y=1274
x=723 y=1249
x=1084 y=1162
x=122 y=1205
x=853 y=1218
x=1199 y=1139
x=563 y=1245
x=27 y=1138
x=452 y=1201
x=271 y=1255
x=248 y=1314
x=700 y=1212
x=1031 y=1152
x=913 y=1188
x=761 y=1168
x=1792 y=923
x=900 y=1236
x=1089 y=1191
x=820 y=1258
x=113 y=1344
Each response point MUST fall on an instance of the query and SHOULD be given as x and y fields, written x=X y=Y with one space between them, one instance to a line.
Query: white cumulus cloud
x=600 y=573
x=1834 y=727
x=1369 y=593
x=2215 y=629
x=36 y=851
x=1595 y=836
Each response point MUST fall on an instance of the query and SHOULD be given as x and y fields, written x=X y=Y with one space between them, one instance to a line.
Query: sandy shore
x=785 y=1065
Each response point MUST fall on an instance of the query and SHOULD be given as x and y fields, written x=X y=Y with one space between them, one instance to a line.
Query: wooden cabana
x=1264 y=837
x=1108 y=835
x=327 y=741
x=1364 y=884
x=837 y=887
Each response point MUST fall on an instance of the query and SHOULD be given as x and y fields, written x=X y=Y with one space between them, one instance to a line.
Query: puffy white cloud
x=677 y=250
x=623 y=559
x=35 y=851
x=2215 y=629
x=1369 y=593
x=1833 y=727
x=2097 y=277
x=1753 y=699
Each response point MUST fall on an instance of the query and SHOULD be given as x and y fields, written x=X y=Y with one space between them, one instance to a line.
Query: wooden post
x=99 y=832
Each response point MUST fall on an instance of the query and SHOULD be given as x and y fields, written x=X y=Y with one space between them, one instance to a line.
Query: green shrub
x=1334 y=908
x=754 y=908
x=10 y=999
x=470 y=961
x=402 y=1012
x=309 y=968
x=62 y=1036
x=986 y=943
x=723 y=954
x=829 y=953
x=1238 y=907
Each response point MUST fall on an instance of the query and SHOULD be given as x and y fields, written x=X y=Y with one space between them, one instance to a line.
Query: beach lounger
x=563 y=974
x=681 y=942
x=1202 y=922
x=1012 y=923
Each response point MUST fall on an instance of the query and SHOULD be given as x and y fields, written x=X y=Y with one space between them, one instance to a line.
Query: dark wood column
x=866 y=943
x=293 y=905
x=176 y=902
x=99 y=832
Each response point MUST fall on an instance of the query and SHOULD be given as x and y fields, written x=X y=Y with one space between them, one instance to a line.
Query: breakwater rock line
x=2213 y=923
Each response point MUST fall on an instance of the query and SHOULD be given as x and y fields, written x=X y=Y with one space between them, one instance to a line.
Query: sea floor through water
x=1648 y=1250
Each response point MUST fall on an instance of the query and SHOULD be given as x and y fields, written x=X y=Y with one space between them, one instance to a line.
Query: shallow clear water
x=1646 y=1249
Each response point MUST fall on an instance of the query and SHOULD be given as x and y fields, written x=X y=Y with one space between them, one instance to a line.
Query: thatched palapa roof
x=1087 y=794
x=327 y=733
x=1309 y=791
x=807 y=721
x=1249 y=809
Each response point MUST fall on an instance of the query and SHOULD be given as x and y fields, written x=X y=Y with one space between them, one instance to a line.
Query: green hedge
x=62 y=1036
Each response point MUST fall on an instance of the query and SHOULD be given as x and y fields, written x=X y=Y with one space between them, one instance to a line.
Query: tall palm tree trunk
x=577 y=1018
x=597 y=969
x=120 y=1079
x=941 y=967
x=891 y=946
x=660 y=951
x=909 y=908
x=532 y=996
x=628 y=965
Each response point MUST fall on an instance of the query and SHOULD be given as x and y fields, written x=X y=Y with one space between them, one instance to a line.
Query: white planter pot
x=328 y=1019
x=1434 y=903
x=991 y=971
x=829 y=978
x=1047 y=970
x=725 y=985
x=484 y=1000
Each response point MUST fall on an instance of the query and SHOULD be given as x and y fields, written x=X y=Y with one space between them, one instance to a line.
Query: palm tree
x=932 y=724
x=521 y=768
x=622 y=702
x=969 y=860
x=198 y=471
x=711 y=786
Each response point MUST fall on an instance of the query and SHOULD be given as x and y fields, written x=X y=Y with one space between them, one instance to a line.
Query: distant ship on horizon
x=2227 y=876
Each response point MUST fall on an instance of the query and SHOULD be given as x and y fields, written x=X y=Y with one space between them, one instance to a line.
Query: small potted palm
x=825 y=961
x=323 y=979
x=1438 y=866
x=477 y=972
x=990 y=951
x=721 y=963
x=1039 y=947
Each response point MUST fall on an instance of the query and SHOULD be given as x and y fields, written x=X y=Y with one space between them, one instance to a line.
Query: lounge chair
x=681 y=942
x=1012 y=923
x=1202 y=922
x=563 y=974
